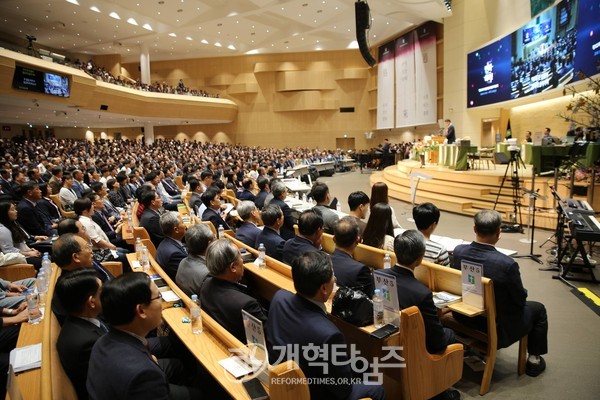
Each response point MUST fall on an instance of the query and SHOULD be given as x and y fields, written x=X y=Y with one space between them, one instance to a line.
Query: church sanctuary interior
x=467 y=105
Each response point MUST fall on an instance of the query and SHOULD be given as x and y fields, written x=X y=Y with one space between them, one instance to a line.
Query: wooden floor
x=466 y=192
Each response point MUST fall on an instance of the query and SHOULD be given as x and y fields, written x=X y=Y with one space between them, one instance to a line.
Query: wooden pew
x=66 y=214
x=214 y=344
x=16 y=272
x=440 y=278
x=424 y=367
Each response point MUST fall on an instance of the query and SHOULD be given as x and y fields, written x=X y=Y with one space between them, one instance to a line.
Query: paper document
x=26 y=358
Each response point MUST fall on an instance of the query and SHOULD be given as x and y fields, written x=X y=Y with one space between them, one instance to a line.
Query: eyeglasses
x=156 y=298
x=87 y=247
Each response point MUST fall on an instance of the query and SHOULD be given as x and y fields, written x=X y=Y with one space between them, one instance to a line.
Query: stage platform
x=466 y=192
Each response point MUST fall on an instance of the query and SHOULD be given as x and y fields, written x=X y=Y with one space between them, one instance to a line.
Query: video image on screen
x=543 y=51
x=56 y=85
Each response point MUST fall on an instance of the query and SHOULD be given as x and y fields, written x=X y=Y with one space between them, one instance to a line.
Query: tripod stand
x=535 y=257
x=513 y=166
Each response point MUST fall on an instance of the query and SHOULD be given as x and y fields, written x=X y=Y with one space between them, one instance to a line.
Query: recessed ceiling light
x=172 y=34
x=254 y=51
x=188 y=38
x=353 y=45
x=73 y=2
x=231 y=47
x=147 y=26
x=95 y=9
x=217 y=44
x=114 y=15
x=132 y=21
x=204 y=41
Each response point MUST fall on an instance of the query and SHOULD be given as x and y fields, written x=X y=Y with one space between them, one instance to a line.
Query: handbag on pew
x=353 y=306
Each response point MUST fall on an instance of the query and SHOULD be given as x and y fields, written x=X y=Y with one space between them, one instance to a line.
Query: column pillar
x=145 y=64
x=148 y=133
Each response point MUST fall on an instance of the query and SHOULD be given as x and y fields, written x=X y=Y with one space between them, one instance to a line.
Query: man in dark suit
x=450 y=133
x=79 y=292
x=212 y=200
x=150 y=218
x=248 y=231
x=121 y=366
x=33 y=220
x=348 y=271
x=195 y=201
x=171 y=250
x=279 y=192
x=300 y=320
x=263 y=187
x=309 y=238
x=222 y=296
x=272 y=217
x=515 y=316
x=320 y=193
x=246 y=194
x=410 y=250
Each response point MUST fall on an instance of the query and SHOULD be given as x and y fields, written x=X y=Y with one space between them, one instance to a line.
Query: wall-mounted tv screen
x=546 y=53
x=26 y=78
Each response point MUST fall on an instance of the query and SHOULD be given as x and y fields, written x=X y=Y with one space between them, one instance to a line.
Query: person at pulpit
x=528 y=138
x=450 y=132
x=547 y=134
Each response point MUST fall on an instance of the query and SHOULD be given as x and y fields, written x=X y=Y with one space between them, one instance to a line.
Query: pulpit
x=433 y=156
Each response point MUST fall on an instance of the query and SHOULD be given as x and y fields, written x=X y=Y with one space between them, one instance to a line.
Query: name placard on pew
x=388 y=292
x=472 y=287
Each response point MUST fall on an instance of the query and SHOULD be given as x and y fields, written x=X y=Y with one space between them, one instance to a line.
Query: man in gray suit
x=320 y=192
x=192 y=270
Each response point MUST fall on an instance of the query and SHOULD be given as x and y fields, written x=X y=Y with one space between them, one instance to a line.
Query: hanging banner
x=405 y=81
x=385 y=87
x=425 y=75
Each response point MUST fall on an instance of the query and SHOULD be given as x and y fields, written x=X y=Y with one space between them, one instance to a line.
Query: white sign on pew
x=257 y=344
x=387 y=289
x=472 y=287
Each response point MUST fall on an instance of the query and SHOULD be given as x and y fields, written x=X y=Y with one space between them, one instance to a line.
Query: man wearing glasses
x=121 y=364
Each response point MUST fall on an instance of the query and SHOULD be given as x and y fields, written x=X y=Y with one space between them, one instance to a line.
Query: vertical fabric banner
x=385 y=87
x=425 y=75
x=405 y=81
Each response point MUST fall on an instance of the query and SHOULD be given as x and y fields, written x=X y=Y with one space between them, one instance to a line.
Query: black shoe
x=450 y=394
x=534 y=370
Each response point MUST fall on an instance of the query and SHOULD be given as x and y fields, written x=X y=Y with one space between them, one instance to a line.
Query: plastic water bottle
x=46 y=263
x=145 y=263
x=196 y=315
x=42 y=288
x=192 y=216
x=378 y=319
x=338 y=207
x=262 y=256
x=304 y=197
x=221 y=232
x=138 y=248
x=129 y=219
x=387 y=261
x=33 y=310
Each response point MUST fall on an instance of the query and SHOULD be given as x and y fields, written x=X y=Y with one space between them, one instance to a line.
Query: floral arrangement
x=421 y=148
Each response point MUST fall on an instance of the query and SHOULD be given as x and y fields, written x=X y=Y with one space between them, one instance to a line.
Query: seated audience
x=13 y=238
x=212 y=200
x=272 y=217
x=248 y=230
x=11 y=293
x=112 y=230
x=195 y=201
x=379 y=194
x=222 y=296
x=379 y=231
x=114 y=194
x=263 y=192
x=348 y=271
x=301 y=320
x=121 y=367
x=320 y=193
x=30 y=217
x=515 y=315
x=279 y=192
x=246 y=194
x=359 y=207
x=309 y=238
x=171 y=250
x=192 y=269
x=427 y=217
x=67 y=195
x=150 y=219
x=47 y=205
x=79 y=293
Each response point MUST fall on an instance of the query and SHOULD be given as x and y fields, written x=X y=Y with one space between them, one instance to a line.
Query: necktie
x=107 y=223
